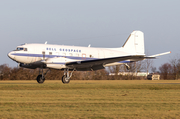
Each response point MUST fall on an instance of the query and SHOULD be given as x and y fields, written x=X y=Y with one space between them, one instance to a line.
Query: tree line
x=168 y=71
x=18 y=73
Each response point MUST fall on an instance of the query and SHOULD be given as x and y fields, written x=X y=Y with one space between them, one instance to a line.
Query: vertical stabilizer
x=135 y=43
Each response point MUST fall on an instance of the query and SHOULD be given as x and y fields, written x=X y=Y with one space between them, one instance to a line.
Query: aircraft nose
x=11 y=56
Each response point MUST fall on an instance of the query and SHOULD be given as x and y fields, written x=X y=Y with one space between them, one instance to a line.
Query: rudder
x=135 y=43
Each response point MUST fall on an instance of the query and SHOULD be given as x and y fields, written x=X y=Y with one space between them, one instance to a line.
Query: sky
x=101 y=23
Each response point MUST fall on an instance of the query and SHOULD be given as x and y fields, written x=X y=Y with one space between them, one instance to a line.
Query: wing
x=99 y=63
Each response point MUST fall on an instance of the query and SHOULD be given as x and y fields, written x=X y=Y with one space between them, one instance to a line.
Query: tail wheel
x=65 y=79
x=40 y=79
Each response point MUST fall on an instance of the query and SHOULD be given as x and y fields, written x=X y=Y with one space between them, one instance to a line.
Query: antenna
x=89 y=45
x=45 y=42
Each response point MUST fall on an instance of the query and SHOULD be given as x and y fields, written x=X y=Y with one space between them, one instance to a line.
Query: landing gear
x=66 y=77
x=127 y=66
x=41 y=77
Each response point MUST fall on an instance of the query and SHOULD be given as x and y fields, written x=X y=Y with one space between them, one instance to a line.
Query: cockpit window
x=18 y=48
x=21 y=49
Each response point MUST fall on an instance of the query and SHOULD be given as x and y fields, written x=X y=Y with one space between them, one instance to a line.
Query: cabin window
x=25 y=49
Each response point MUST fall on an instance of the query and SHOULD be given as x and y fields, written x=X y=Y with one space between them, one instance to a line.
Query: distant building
x=130 y=73
x=153 y=77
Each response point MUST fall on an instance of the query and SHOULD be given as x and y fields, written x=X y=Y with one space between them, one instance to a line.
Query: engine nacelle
x=32 y=66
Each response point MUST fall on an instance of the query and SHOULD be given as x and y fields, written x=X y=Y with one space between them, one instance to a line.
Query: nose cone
x=11 y=56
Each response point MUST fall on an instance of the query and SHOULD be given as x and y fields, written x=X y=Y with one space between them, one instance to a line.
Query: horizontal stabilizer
x=160 y=54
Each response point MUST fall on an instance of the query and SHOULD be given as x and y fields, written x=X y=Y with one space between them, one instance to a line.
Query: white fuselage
x=61 y=56
x=55 y=56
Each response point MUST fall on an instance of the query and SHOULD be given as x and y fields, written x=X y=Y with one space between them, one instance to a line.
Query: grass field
x=90 y=99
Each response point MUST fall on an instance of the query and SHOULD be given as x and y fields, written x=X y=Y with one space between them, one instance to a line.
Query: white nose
x=11 y=56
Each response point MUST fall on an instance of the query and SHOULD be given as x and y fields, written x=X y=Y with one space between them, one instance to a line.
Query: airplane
x=76 y=58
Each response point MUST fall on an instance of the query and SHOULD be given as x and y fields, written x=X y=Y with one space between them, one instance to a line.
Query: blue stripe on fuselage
x=51 y=56
x=69 y=57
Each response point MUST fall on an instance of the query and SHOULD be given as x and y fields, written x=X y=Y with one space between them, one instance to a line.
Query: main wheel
x=40 y=79
x=65 y=79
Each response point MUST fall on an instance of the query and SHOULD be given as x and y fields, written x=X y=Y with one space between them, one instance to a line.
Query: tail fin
x=135 y=43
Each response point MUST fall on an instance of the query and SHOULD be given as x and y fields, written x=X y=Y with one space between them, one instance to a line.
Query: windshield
x=21 y=49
